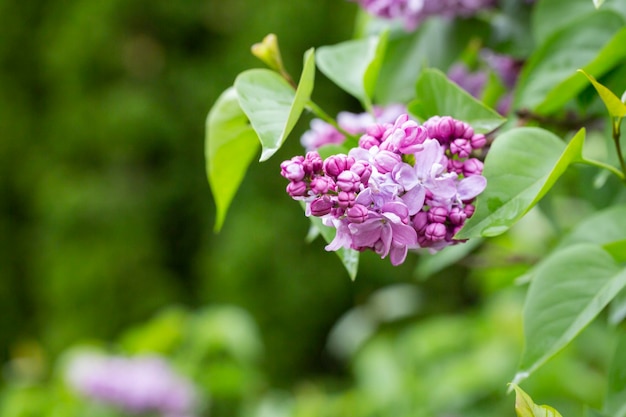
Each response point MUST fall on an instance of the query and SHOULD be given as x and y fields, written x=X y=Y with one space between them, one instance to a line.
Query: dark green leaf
x=230 y=146
x=569 y=290
x=272 y=105
x=354 y=65
x=438 y=96
x=521 y=167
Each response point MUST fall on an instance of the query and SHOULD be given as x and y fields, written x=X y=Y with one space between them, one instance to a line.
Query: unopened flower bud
x=367 y=141
x=357 y=213
x=321 y=206
x=469 y=210
x=478 y=141
x=297 y=189
x=363 y=169
x=322 y=184
x=385 y=161
x=472 y=166
x=293 y=169
x=336 y=164
x=346 y=199
x=457 y=216
x=437 y=215
x=312 y=163
x=420 y=220
x=435 y=232
x=348 y=181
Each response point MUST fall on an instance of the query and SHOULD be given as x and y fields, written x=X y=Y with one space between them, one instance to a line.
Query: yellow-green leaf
x=525 y=407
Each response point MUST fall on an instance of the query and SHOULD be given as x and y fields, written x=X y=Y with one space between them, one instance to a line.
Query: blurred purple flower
x=140 y=384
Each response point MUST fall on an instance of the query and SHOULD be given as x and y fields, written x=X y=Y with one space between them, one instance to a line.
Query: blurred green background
x=106 y=218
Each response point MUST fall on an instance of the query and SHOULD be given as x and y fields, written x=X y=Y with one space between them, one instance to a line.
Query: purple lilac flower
x=405 y=186
x=506 y=68
x=145 y=384
x=414 y=12
x=323 y=133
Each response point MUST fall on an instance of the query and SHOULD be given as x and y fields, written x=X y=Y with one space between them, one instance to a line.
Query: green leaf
x=525 y=407
x=230 y=146
x=521 y=167
x=602 y=228
x=617 y=309
x=613 y=104
x=436 y=43
x=438 y=96
x=349 y=257
x=354 y=65
x=598 y=3
x=615 y=403
x=569 y=290
x=272 y=105
x=550 y=17
x=429 y=265
x=549 y=78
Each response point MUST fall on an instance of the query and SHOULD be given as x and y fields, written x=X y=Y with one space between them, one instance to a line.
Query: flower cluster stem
x=319 y=112
x=618 y=146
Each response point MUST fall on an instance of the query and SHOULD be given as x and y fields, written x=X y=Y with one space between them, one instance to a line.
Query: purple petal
x=471 y=186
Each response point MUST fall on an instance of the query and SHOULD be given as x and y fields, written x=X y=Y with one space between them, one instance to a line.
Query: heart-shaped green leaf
x=230 y=146
x=521 y=167
x=438 y=96
x=568 y=291
x=272 y=105
x=354 y=65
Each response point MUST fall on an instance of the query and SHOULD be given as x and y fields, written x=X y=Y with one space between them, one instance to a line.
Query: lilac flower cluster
x=145 y=384
x=323 y=133
x=406 y=186
x=506 y=68
x=414 y=12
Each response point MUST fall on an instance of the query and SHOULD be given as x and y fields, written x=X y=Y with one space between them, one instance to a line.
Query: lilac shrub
x=405 y=186
x=145 y=384
x=414 y=12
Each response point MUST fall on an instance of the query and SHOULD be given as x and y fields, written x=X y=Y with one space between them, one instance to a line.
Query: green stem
x=319 y=112
x=602 y=165
x=618 y=146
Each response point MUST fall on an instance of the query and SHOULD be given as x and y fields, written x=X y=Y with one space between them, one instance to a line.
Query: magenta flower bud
x=435 y=232
x=357 y=213
x=445 y=128
x=312 y=163
x=459 y=129
x=321 y=206
x=472 y=166
x=376 y=131
x=385 y=161
x=457 y=216
x=322 y=184
x=437 y=215
x=478 y=141
x=367 y=141
x=455 y=165
x=348 y=181
x=346 y=199
x=297 y=189
x=420 y=220
x=293 y=169
x=461 y=147
x=336 y=164
x=363 y=169
x=469 y=210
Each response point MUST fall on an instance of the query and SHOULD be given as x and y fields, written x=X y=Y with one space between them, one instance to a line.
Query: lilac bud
x=322 y=184
x=437 y=215
x=321 y=206
x=297 y=189
x=385 y=161
x=336 y=164
x=461 y=147
x=455 y=165
x=420 y=220
x=445 y=128
x=376 y=131
x=363 y=169
x=312 y=163
x=367 y=141
x=472 y=166
x=357 y=213
x=457 y=216
x=435 y=232
x=346 y=199
x=469 y=210
x=460 y=128
x=348 y=181
x=293 y=169
x=478 y=141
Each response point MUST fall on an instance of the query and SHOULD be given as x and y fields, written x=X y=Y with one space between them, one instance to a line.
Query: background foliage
x=106 y=232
